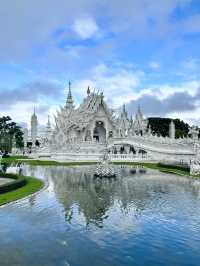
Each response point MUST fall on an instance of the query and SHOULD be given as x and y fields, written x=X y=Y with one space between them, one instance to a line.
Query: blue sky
x=136 y=51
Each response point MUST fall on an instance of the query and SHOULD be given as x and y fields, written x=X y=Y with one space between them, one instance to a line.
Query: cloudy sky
x=143 y=52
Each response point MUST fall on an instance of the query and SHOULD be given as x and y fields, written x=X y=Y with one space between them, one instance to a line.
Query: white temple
x=85 y=132
x=36 y=133
x=34 y=127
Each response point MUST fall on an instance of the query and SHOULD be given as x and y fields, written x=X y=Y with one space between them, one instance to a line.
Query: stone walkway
x=4 y=180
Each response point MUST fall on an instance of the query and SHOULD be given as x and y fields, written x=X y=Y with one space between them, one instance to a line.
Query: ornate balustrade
x=156 y=144
x=128 y=157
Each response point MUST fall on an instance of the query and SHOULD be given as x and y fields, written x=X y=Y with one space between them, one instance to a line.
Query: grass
x=42 y=162
x=13 y=159
x=32 y=185
x=54 y=163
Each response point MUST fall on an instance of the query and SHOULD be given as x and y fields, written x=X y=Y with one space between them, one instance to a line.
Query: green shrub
x=18 y=182
x=9 y=175
x=175 y=166
x=12 y=186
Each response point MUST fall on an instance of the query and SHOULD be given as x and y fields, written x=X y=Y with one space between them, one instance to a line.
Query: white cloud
x=119 y=84
x=41 y=48
x=21 y=112
x=122 y=84
x=190 y=117
x=166 y=90
x=45 y=17
x=154 y=65
x=85 y=27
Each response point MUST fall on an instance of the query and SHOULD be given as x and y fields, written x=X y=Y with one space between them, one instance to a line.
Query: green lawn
x=54 y=163
x=13 y=159
x=40 y=162
x=32 y=185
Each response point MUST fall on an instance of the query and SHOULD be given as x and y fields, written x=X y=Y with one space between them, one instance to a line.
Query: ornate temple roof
x=79 y=118
x=123 y=120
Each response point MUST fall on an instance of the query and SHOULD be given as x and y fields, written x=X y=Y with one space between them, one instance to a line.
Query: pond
x=143 y=219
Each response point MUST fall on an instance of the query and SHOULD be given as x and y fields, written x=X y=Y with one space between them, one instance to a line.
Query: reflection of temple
x=89 y=201
x=76 y=188
x=87 y=130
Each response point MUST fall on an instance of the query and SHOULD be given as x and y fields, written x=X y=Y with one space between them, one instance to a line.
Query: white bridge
x=153 y=148
x=135 y=148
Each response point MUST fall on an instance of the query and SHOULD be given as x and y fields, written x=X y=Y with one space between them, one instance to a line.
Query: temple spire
x=34 y=127
x=48 y=128
x=139 y=109
x=34 y=113
x=124 y=111
x=48 y=122
x=88 y=91
x=124 y=108
x=69 y=102
x=139 y=114
x=172 y=130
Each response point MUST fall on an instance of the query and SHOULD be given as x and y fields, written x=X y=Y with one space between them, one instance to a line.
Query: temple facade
x=83 y=133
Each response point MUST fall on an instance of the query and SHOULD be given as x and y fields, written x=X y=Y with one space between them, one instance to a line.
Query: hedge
x=17 y=183
x=175 y=166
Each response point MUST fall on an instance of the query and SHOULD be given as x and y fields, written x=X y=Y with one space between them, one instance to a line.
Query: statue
x=104 y=167
x=195 y=167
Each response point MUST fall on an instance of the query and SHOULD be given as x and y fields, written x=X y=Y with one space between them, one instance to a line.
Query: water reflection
x=142 y=219
x=131 y=194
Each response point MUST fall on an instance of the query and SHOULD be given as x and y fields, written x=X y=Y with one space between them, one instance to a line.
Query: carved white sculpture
x=195 y=167
x=194 y=132
x=195 y=163
x=82 y=134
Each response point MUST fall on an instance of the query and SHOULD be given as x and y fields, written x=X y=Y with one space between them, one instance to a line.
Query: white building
x=85 y=132
x=37 y=133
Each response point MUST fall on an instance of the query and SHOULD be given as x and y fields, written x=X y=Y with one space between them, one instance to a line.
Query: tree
x=10 y=131
x=160 y=126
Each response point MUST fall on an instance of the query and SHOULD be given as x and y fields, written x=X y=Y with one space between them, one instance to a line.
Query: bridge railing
x=127 y=157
